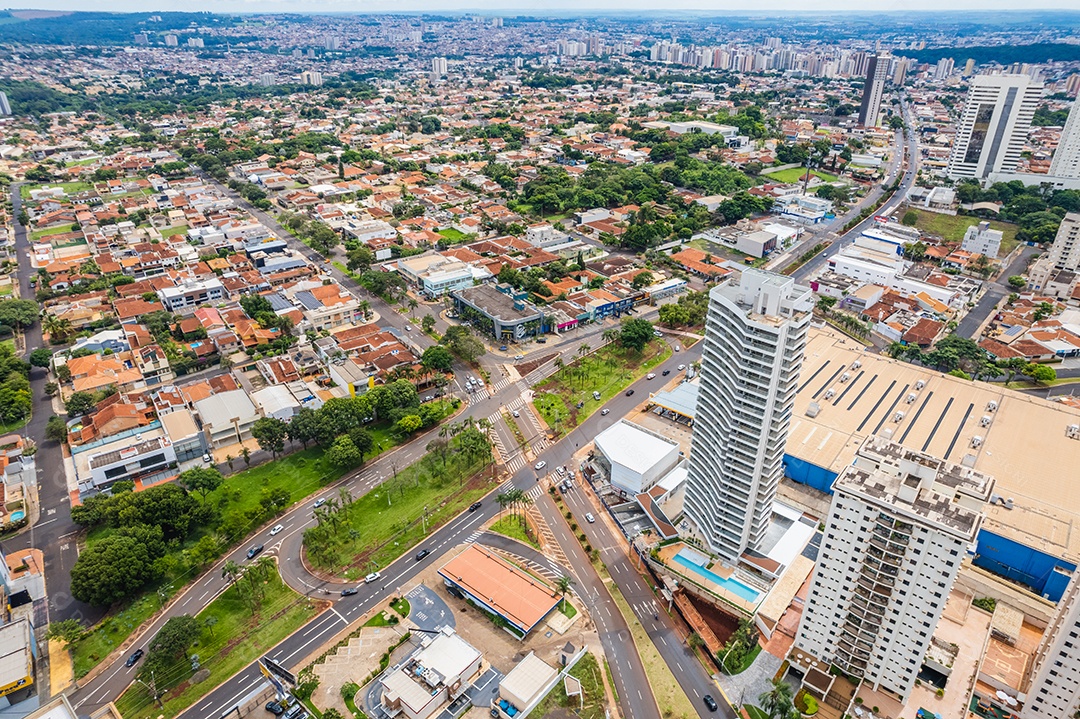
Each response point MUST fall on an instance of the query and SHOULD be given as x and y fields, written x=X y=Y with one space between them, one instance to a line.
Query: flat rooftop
x=634 y=447
x=495 y=304
x=1023 y=444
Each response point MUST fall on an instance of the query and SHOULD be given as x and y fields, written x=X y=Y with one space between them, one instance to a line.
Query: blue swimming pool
x=16 y=516
x=732 y=585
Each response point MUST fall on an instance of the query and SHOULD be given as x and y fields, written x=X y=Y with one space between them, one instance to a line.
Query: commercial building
x=227 y=417
x=147 y=460
x=876 y=71
x=1066 y=162
x=5 y=106
x=636 y=458
x=753 y=349
x=994 y=125
x=440 y=671
x=500 y=588
x=524 y=687
x=500 y=311
x=1055 y=683
x=18 y=652
x=900 y=524
x=186 y=297
x=436 y=275
x=981 y=240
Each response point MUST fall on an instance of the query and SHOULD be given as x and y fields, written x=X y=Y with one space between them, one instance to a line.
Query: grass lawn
x=669 y=695
x=47 y=231
x=401 y=606
x=953 y=227
x=513 y=527
x=794 y=174
x=587 y=670
x=607 y=371
x=567 y=609
x=170 y=231
x=380 y=620
x=236 y=638
x=453 y=235
x=6 y=290
x=70 y=188
x=746 y=662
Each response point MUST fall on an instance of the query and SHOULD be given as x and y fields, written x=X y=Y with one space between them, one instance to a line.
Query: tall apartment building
x=268 y=79
x=877 y=68
x=944 y=68
x=1055 y=684
x=1066 y=162
x=994 y=125
x=899 y=71
x=171 y=41
x=899 y=526
x=753 y=350
x=311 y=77
x=5 y=105
x=438 y=65
x=1056 y=272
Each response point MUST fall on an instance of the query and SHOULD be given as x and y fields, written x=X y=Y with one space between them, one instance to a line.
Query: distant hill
x=99 y=28
x=1002 y=54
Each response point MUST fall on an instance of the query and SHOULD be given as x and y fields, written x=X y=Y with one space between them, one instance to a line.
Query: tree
x=111 y=570
x=641 y=280
x=461 y=342
x=18 y=313
x=427 y=322
x=66 y=630
x=1012 y=366
x=1015 y=281
x=1040 y=372
x=203 y=480
x=362 y=440
x=171 y=643
x=825 y=304
x=777 y=702
x=270 y=433
x=41 y=357
x=910 y=218
x=56 y=429
x=343 y=453
x=636 y=333
x=79 y=403
x=304 y=427
x=437 y=358
x=56 y=327
x=409 y=424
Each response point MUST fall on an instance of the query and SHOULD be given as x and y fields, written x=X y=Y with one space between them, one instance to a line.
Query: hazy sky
x=540 y=7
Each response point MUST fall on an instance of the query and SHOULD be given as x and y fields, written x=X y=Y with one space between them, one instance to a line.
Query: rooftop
x=496 y=304
x=634 y=447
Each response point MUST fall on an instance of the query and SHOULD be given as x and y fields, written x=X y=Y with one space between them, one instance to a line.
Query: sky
x=541 y=7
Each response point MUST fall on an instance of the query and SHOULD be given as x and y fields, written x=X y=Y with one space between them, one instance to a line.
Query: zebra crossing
x=535 y=492
x=500 y=385
x=515 y=463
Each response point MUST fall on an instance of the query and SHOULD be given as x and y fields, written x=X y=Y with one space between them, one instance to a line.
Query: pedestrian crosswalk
x=535 y=492
x=500 y=385
x=515 y=463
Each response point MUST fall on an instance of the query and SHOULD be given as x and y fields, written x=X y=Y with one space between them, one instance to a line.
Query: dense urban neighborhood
x=419 y=366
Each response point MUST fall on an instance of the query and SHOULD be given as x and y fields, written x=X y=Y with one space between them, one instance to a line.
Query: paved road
x=54 y=532
x=995 y=291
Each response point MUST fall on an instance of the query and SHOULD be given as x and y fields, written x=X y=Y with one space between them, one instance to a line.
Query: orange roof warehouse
x=500 y=587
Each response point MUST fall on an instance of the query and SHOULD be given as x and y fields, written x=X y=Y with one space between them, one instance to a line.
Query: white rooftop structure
x=638 y=457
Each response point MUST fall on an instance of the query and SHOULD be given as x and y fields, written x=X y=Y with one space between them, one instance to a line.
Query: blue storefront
x=1043 y=573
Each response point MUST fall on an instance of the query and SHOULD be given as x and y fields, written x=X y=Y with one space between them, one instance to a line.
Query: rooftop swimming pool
x=732 y=585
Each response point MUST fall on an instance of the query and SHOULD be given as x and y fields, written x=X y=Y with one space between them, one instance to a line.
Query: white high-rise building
x=1066 y=162
x=898 y=529
x=171 y=41
x=1055 y=683
x=755 y=336
x=267 y=79
x=944 y=68
x=438 y=65
x=311 y=77
x=877 y=67
x=994 y=125
x=5 y=106
x=1057 y=272
x=195 y=42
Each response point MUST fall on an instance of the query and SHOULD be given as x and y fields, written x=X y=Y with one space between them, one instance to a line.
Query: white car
x=277 y=528
x=539 y=465
x=681 y=367
x=516 y=415
x=373 y=577
x=604 y=411
x=408 y=328
x=517 y=357
x=589 y=517
x=651 y=375
x=207 y=459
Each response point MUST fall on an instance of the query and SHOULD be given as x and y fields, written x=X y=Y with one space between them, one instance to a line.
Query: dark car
x=422 y=553
x=629 y=392
x=135 y=656
x=254 y=551
x=666 y=372
x=275 y=708
x=710 y=702
x=475 y=506
x=542 y=340
x=349 y=592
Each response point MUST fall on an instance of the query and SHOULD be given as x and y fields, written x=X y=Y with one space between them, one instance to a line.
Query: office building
x=899 y=71
x=5 y=106
x=981 y=240
x=311 y=77
x=438 y=66
x=969 y=67
x=876 y=69
x=1055 y=683
x=900 y=524
x=1066 y=162
x=753 y=351
x=993 y=126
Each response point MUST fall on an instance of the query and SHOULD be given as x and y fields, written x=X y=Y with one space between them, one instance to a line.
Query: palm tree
x=559 y=364
x=582 y=350
x=58 y=327
x=504 y=499
x=562 y=586
x=777 y=701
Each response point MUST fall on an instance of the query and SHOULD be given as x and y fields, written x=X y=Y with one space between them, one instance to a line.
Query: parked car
x=275 y=708
x=657 y=333
x=135 y=656
x=295 y=712
x=373 y=577
x=678 y=348
x=596 y=396
x=604 y=411
x=503 y=348
x=475 y=506
x=589 y=517
x=207 y=459
x=349 y=591
x=277 y=529
x=539 y=465
x=254 y=551
x=629 y=392
x=710 y=702
x=542 y=340
x=422 y=553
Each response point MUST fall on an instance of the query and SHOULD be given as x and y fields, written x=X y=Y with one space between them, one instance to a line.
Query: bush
x=348 y=690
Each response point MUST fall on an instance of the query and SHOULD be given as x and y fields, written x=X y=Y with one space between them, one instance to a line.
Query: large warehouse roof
x=1020 y=439
x=634 y=447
